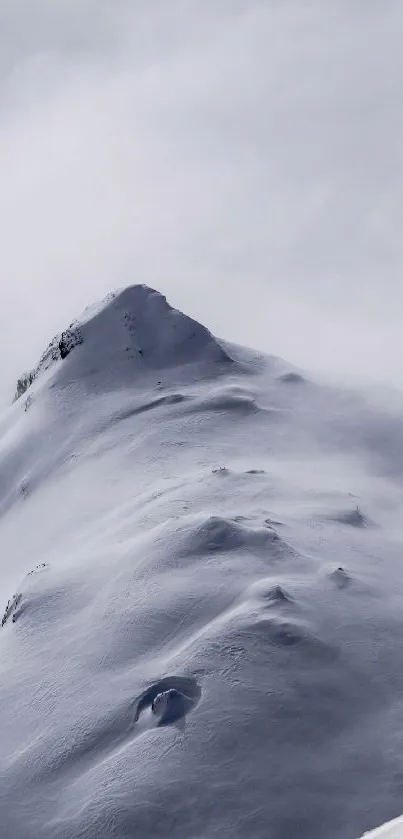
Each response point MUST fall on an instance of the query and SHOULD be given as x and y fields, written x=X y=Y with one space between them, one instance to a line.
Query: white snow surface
x=392 y=830
x=204 y=520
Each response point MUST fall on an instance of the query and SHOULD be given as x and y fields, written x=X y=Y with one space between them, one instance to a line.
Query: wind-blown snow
x=189 y=525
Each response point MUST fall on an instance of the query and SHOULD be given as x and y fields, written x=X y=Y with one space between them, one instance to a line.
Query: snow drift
x=186 y=525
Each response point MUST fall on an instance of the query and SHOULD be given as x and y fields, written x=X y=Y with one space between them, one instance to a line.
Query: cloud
x=243 y=159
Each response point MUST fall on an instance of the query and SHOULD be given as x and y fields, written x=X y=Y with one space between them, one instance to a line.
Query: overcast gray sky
x=243 y=157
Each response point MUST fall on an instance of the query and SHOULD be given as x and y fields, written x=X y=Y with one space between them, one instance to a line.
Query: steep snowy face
x=200 y=566
x=120 y=340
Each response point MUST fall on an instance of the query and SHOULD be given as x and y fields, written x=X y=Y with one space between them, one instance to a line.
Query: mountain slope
x=197 y=522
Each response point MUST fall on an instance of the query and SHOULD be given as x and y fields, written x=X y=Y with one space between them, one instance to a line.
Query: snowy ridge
x=202 y=593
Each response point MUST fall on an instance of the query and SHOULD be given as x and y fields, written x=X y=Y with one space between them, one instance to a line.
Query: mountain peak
x=128 y=333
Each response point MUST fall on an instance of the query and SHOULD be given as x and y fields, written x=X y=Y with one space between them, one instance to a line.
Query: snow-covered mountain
x=201 y=558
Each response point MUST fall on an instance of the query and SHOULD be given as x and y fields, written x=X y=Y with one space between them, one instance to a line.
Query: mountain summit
x=129 y=333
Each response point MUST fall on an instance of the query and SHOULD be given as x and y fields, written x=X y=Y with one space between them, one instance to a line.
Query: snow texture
x=201 y=575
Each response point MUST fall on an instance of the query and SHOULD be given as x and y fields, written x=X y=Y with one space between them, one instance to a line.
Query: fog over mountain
x=242 y=158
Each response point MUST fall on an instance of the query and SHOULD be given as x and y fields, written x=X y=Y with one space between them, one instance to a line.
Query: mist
x=243 y=158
